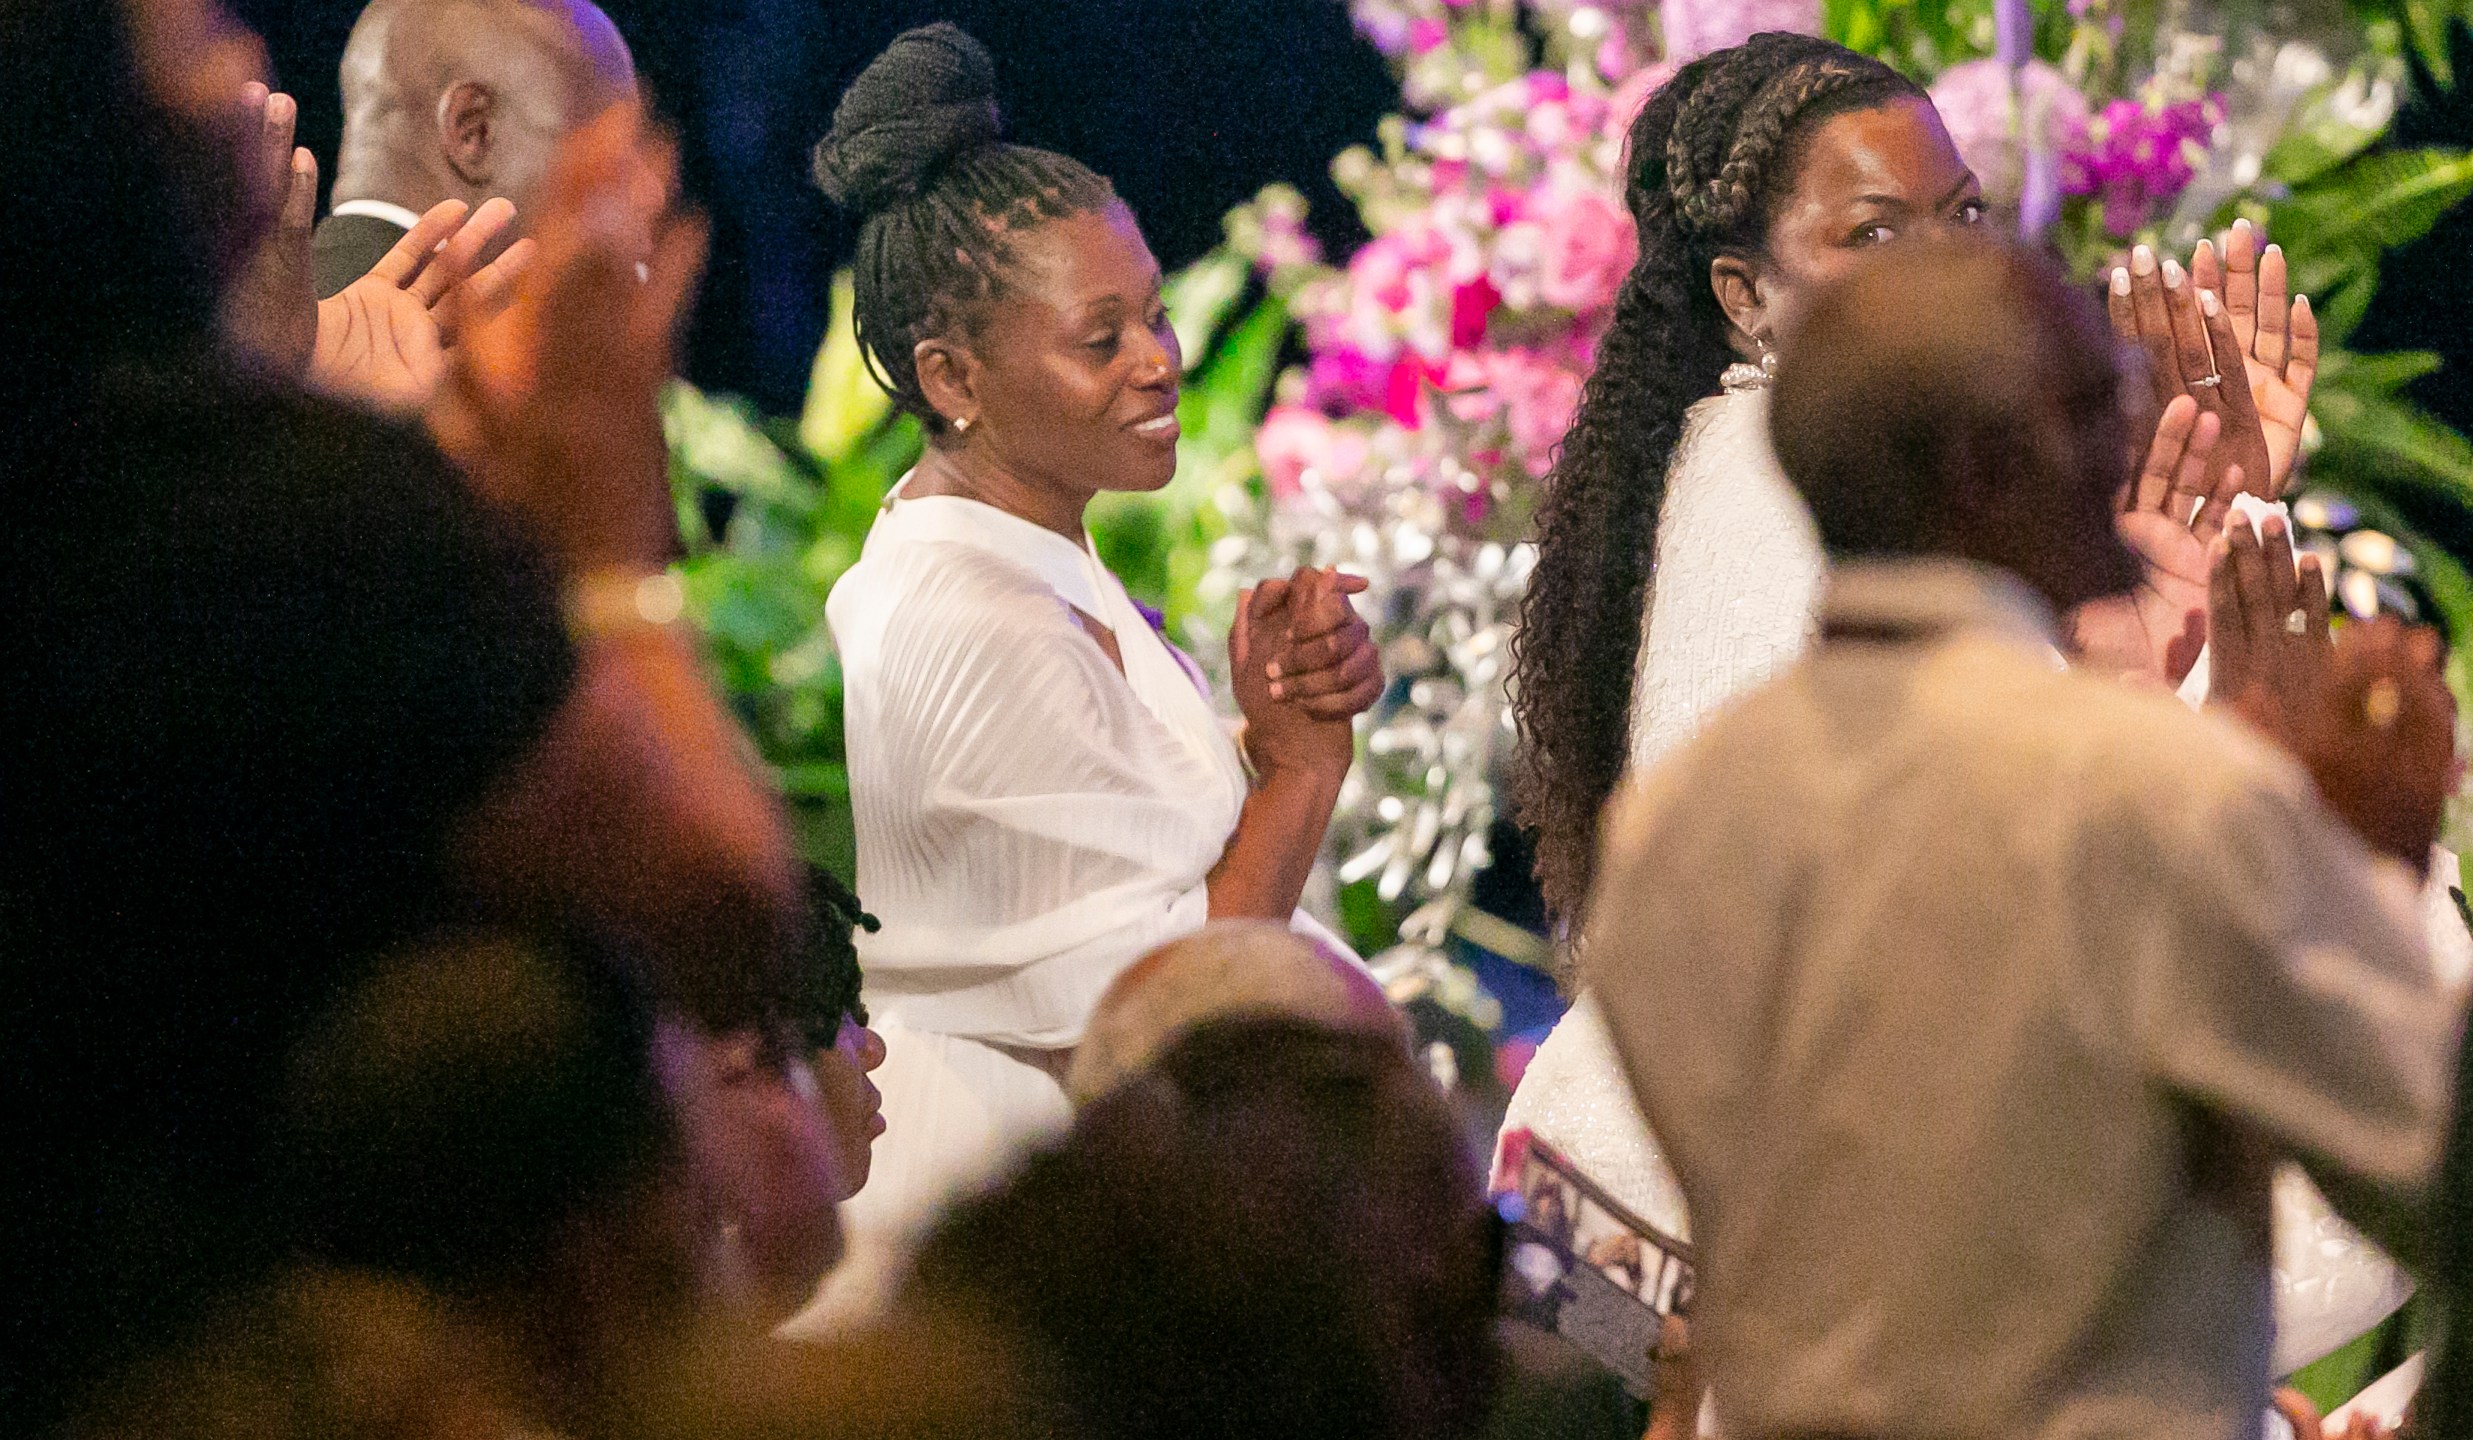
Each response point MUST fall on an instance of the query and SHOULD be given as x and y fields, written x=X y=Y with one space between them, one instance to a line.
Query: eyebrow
x=1898 y=202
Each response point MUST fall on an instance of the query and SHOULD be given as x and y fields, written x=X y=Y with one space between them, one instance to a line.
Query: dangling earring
x=1745 y=375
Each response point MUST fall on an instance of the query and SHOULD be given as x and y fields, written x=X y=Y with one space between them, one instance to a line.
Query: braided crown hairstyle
x=914 y=156
x=1711 y=156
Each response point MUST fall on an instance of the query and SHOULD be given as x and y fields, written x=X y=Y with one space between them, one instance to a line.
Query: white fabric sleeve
x=1054 y=828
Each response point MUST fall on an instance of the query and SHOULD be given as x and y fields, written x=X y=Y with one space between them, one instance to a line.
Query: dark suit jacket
x=344 y=247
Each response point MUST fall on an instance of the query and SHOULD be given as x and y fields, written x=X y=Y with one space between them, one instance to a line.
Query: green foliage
x=2338 y=223
x=798 y=501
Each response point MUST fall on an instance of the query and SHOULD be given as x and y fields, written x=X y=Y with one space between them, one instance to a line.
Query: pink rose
x=1693 y=28
x=1587 y=248
x=1294 y=439
x=1632 y=96
x=1540 y=399
x=1393 y=270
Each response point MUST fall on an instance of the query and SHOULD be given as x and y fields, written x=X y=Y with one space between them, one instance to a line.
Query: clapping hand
x=553 y=404
x=2308 y=1424
x=2170 y=513
x=2276 y=335
x=2269 y=644
x=382 y=340
x=2187 y=337
x=2376 y=728
x=1304 y=665
x=2367 y=713
x=270 y=307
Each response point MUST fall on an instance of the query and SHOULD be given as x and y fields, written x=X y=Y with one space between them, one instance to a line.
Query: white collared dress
x=1030 y=822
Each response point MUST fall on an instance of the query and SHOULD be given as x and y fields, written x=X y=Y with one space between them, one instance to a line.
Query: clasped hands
x=1303 y=665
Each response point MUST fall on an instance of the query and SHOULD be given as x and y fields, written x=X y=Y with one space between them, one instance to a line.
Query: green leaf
x=844 y=402
x=1199 y=298
x=2379 y=441
x=2338 y=226
x=2367 y=375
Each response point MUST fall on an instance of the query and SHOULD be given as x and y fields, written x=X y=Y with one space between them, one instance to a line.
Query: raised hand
x=2269 y=643
x=382 y=339
x=554 y=402
x=270 y=306
x=2170 y=513
x=2377 y=731
x=2277 y=336
x=2186 y=336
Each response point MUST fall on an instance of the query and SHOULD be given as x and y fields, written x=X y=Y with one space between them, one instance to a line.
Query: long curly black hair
x=1710 y=157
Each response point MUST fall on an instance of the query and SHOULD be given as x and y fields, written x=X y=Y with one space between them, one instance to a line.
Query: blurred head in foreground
x=1229 y=968
x=1273 y=1231
x=482 y=1116
x=1961 y=400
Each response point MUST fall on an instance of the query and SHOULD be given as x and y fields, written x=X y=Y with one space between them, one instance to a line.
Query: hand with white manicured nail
x=2185 y=334
x=2277 y=334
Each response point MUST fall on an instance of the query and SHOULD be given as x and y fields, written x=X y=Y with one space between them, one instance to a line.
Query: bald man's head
x=1233 y=967
x=468 y=99
x=1962 y=400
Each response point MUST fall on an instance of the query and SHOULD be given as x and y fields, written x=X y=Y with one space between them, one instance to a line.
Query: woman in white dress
x=1677 y=567
x=1043 y=788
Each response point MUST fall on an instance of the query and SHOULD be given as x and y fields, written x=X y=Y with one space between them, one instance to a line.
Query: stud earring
x=961 y=425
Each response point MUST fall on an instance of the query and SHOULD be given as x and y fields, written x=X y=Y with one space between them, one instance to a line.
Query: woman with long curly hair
x=1677 y=567
x=1755 y=174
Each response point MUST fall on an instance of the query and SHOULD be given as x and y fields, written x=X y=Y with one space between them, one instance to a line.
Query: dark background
x=1189 y=105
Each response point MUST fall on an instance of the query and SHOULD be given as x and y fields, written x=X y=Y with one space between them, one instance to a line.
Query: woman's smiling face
x=1076 y=365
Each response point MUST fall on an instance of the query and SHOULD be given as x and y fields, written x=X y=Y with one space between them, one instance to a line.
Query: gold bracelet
x=610 y=603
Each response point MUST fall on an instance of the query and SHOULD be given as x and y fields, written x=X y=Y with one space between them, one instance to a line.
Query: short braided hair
x=913 y=155
x=1711 y=155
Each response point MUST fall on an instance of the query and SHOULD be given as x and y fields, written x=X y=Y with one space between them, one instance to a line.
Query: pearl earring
x=1745 y=375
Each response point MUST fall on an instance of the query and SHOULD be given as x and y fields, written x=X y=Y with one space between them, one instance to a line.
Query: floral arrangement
x=1444 y=360
x=1437 y=367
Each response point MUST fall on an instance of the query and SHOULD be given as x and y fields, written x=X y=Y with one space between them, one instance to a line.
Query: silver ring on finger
x=2297 y=623
x=2208 y=382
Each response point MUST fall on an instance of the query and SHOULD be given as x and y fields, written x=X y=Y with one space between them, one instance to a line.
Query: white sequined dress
x=1734 y=600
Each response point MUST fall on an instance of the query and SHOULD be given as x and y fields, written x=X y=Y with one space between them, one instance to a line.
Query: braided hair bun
x=929 y=98
x=914 y=157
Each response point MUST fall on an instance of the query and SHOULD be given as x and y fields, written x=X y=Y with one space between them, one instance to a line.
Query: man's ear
x=949 y=378
x=467 y=126
x=1736 y=282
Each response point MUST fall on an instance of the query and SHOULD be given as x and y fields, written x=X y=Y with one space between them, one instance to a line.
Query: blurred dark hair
x=1275 y=1232
x=1883 y=404
x=116 y=243
x=467 y=1105
x=913 y=155
x=1710 y=157
x=827 y=985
